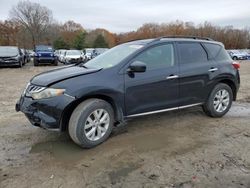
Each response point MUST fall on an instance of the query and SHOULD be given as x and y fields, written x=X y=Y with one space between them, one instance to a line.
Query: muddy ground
x=175 y=149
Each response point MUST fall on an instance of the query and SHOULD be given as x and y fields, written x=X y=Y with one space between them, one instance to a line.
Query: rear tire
x=219 y=101
x=85 y=129
x=235 y=58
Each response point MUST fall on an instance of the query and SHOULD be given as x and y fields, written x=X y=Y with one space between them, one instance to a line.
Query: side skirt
x=164 y=110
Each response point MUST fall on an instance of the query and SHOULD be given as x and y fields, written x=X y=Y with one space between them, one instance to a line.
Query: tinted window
x=217 y=52
x=213 y=49
x=192 y=53
x=223 y=55
x=157 y=57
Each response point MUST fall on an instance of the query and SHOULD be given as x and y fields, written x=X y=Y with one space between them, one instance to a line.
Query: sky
x=128 y=15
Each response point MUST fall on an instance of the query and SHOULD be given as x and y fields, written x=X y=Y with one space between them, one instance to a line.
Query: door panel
x=194 y=76
x=151 y=90
x=194 y=83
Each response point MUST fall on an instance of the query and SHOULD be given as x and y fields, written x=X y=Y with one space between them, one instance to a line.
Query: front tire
x=219 y=101
x=91 y=123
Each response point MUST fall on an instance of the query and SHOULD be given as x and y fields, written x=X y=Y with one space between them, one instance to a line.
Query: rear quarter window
x=192 y=52
x=217 y=52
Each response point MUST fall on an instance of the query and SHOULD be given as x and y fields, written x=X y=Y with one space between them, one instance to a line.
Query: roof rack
x=183 y=36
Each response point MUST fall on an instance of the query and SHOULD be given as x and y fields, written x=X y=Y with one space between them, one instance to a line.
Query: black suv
x=132 y=79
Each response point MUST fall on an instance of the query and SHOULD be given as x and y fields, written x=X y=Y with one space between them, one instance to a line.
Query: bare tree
x=34 y=17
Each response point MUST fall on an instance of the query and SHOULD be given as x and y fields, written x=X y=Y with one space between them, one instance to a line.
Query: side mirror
x=137 y=66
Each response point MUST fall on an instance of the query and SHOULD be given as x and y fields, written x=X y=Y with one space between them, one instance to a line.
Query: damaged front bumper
x=45 y=113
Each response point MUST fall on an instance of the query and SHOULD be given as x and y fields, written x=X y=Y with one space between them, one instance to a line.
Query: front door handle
x=172 y=77
x=213 y=69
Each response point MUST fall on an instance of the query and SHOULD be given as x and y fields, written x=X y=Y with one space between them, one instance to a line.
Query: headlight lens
x=47 y=93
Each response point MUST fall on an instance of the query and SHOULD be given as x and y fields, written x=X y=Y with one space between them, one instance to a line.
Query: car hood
x=10 y=56
x=59 y=74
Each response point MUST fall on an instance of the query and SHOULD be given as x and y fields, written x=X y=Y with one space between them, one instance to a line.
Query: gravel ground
x=176 y=149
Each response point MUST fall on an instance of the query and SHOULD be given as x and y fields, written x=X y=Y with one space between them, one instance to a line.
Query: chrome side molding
x=163 y=110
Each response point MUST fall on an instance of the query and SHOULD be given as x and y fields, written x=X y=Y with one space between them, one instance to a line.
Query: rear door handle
x=172 y=77
x=213 y=69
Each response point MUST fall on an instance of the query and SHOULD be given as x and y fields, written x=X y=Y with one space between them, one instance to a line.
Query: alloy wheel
x=97 y=124
x=221 y=100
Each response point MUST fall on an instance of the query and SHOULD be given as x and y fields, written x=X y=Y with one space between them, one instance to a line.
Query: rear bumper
x=45 y=113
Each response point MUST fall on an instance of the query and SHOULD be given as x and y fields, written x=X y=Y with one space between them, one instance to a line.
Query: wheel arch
x=118 y=112
x=232 y=85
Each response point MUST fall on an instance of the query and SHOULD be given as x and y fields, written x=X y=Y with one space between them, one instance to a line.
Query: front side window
x=157 y=57
x=191 y=53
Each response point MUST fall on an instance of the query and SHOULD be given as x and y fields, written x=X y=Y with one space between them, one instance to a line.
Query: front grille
x=33 y=89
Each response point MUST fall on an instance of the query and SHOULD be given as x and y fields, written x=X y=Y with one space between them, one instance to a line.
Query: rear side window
x=217 y=52
x=192 y=53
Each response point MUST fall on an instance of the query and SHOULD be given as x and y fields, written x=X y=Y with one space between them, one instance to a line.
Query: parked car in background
x=56 y=52
x=61 y=54
x=73 y=56
x=237 y=55
x=31 y=53
x=88 y=53
x=11 y=56
x=100 y=51
x=246 y=52
x=26 y=55
x=130 y=80
x=45 y=55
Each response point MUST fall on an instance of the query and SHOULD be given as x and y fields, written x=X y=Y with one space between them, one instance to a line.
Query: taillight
x=236 y=65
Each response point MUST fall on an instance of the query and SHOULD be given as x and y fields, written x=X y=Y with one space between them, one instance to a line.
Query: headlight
x=47 y=93
x=16 y=58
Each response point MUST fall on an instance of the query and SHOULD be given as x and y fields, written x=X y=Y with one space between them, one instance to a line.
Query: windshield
x=73 y=52
x=8 y=51
x=44 y=48
x=113 y=56
x=89 y=50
